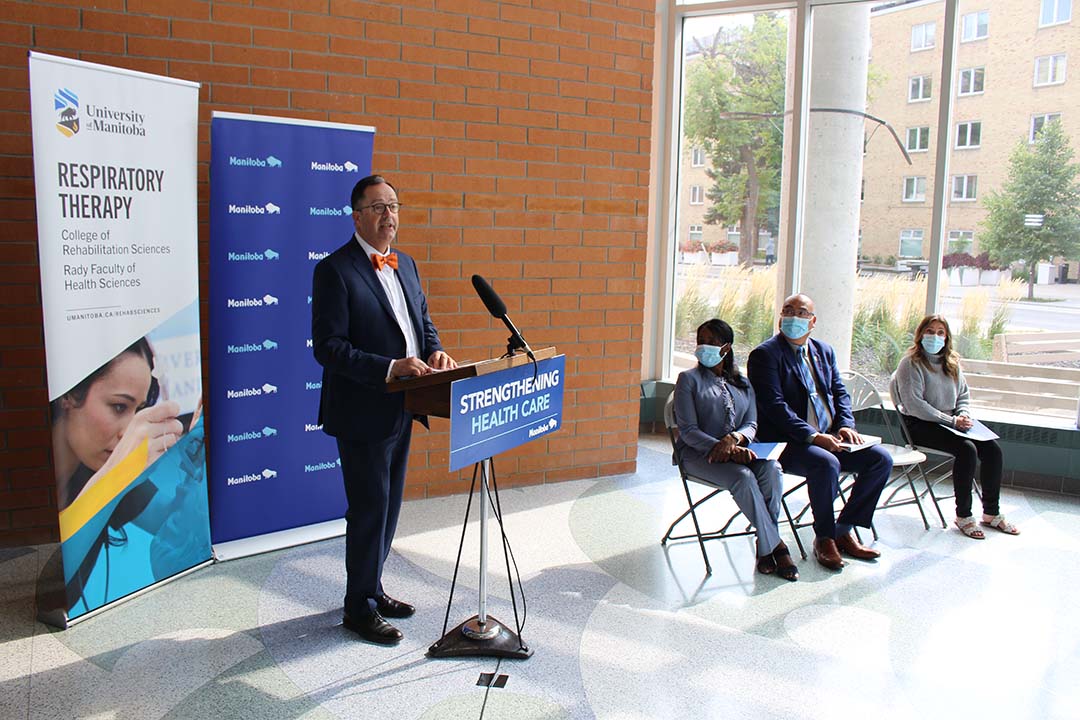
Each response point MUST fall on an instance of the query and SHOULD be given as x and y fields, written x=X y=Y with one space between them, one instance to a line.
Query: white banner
x=115 y=172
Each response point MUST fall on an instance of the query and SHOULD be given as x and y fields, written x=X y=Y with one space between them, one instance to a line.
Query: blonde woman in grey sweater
x=931 y=394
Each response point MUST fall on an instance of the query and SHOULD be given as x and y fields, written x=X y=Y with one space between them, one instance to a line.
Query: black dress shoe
x=785 y=566
x=391 y=608
x=373 y=628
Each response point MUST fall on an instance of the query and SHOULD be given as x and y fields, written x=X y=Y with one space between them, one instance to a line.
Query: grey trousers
x=756 y=489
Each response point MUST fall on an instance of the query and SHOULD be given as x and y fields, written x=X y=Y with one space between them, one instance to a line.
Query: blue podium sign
x=492 y=413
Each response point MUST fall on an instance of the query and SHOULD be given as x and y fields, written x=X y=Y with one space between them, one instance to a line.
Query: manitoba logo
x=66 y=104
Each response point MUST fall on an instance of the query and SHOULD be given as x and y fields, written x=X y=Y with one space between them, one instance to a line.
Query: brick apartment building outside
x=1011 y=74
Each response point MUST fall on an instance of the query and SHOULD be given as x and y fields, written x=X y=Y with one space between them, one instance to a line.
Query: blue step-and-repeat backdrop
x=279 y=203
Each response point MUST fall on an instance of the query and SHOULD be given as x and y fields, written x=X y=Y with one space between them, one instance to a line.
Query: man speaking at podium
x=370 y=323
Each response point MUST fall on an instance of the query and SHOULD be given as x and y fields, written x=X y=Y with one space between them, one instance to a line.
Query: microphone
x=497 y=308
x=490 y=298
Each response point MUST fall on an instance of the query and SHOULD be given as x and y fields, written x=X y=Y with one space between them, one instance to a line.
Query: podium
x=480 y=635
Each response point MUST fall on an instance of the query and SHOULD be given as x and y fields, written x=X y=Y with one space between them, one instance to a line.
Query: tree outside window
x=1038 y=121
x=734 y=108
x=960 y=241
x=1043 y=180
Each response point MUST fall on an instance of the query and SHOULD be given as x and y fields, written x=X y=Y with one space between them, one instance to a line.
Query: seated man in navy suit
x=369 y=323
x=802 y=401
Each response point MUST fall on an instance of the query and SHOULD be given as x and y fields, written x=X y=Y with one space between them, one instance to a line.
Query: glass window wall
x=734 y=84
x=1010 y=264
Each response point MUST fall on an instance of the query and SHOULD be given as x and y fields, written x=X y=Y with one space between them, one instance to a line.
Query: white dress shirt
x=396 y=295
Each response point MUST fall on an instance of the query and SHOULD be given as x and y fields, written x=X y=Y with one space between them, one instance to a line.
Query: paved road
x=1061 y=315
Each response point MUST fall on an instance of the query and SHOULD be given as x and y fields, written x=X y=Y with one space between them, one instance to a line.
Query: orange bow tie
x=378 y=260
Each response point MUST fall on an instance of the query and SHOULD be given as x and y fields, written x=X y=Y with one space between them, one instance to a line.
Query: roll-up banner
x=279 y=203
x=115 y=176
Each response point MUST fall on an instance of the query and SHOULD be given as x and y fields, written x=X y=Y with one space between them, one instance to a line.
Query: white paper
x=978 y=431
x=867 y=441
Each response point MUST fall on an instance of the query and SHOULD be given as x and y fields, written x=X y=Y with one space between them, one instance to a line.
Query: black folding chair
x=792 y=483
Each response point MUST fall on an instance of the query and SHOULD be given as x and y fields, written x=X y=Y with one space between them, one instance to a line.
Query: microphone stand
x=516 y=342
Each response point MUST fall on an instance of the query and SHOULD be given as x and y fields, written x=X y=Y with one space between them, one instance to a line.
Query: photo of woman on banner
x=109 y=433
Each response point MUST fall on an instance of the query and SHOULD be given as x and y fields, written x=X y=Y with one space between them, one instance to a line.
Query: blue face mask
x=709 y=355
x=933 y=343
x=794 y=327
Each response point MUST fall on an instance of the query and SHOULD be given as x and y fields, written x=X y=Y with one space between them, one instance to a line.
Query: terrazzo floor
x=941 y=627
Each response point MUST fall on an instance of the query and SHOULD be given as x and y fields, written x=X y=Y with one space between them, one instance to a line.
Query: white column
x=834 y=153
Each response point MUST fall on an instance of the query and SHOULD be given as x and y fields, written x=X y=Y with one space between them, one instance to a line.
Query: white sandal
x=968 y=527
x=998 y=522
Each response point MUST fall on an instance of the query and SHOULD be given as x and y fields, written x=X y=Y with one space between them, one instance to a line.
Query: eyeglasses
x=380 y=208
x=792 y=312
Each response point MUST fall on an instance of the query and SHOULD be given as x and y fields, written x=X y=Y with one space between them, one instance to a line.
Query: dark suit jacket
x=355 y=336
x=782 y=399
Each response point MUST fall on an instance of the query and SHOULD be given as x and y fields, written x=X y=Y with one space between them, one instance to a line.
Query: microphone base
x=465 y=641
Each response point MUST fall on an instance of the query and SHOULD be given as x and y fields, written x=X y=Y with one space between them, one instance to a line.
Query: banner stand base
x=59 y=619
x=469 y=639
x=258 y=544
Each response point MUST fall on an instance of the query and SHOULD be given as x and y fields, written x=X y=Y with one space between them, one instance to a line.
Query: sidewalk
x=1068 y=294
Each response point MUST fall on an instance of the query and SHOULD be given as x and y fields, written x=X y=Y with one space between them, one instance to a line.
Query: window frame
x=698 y=192
x=932 y=24
x=970 y=240
x=697 y=157
x=1045 y=117
x=969 y=183
x=976 y=72
x=1052 y=65
x=915 y=196
x=911 y=235
x=920 y=136
x=1055 y=5
x=691 y=230
x=970 y=125
x=964 y=26
x=926 y=84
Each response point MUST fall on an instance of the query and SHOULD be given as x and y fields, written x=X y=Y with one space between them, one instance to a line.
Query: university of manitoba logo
x=66 y=103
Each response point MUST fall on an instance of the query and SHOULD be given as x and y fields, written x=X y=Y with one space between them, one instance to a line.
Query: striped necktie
x=822 y=413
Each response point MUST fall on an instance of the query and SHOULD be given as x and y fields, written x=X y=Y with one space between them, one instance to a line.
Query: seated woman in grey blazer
x=716 y=412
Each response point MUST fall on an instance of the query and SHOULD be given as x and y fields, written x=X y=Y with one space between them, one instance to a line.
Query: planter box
x=954 y=276
x=725 y=258
x=969 y=276
x=989 y=277
x=692 y=258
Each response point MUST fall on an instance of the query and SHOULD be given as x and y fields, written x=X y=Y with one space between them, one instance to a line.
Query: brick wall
x=516 y=132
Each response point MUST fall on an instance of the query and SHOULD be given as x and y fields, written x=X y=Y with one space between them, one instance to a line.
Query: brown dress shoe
x=849 y=545
x=827 y=555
